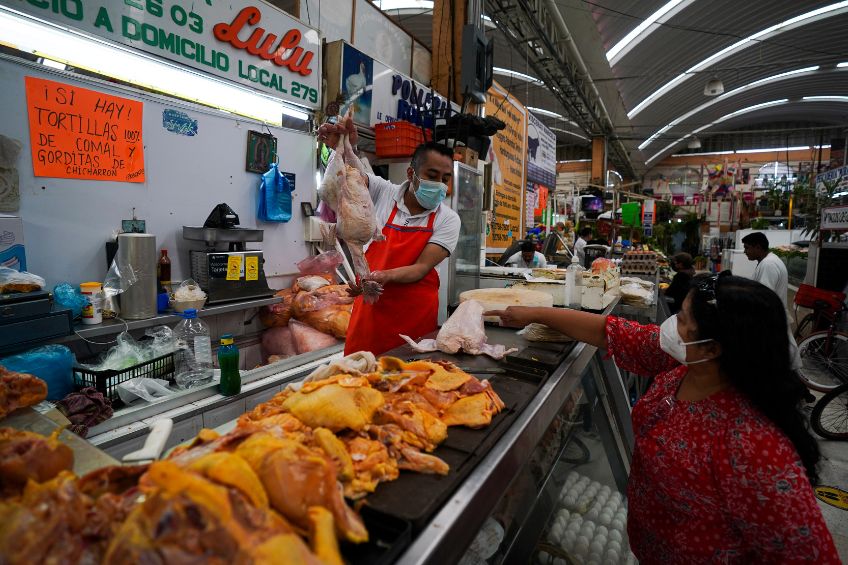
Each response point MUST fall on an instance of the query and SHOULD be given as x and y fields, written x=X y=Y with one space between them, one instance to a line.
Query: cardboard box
x=12 y=253
x=465 y=155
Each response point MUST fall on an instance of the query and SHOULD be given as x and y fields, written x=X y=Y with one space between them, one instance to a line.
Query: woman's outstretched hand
x=514 y=316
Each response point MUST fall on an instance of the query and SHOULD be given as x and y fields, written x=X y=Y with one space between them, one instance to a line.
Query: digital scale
x=234 y=274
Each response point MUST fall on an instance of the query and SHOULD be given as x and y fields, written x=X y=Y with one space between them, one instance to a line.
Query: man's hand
x=380 y=277
x=329 y=133
x=514 y=316
x=353 y=289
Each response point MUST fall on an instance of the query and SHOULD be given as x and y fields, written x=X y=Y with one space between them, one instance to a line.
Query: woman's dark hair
x=749 y=321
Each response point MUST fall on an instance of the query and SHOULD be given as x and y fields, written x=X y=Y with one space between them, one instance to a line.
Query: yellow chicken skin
x=473 y=411
x=186 y=517
x=323 y=536
x=297 y=478
x=372 y=465
x=336 y=450
x=413 y=414
x=335 y=407
x=232 y=471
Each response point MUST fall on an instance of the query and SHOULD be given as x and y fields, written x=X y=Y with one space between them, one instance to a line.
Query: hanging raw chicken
x=344 y=191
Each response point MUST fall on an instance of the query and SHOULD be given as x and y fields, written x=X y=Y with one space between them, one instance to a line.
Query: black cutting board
x=515 y=395
x=387 y=538
x=416 y=497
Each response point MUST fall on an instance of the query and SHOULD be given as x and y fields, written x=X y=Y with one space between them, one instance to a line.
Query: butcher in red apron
x=420 y=232
x=404 y=308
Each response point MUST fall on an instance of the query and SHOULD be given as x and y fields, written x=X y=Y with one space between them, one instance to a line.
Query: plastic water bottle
x=574 y=284
x=194 y=351
x=228 y=361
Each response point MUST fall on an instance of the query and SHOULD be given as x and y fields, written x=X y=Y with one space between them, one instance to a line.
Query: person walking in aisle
x=771 y=272
x=723 y=461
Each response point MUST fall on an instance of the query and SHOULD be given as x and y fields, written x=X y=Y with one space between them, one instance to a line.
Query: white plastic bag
x=189 y=290
x=19 y=281
x=150 y=390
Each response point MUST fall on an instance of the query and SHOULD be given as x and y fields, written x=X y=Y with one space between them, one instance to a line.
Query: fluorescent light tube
x=792 y=23
x=77 y=50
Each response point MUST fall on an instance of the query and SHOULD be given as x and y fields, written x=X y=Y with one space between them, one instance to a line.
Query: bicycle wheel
x=805 y=326
x=824 y=360
x=830 y=414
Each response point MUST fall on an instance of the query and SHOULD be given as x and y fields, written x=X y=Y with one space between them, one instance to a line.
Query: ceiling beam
x=532 y=29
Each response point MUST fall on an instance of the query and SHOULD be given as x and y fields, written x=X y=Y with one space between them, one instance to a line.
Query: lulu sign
x=252 y=43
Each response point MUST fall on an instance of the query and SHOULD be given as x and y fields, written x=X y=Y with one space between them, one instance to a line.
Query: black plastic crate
x=107 y=381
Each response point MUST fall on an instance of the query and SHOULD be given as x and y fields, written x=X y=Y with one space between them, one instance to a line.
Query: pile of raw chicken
x=271 y=491
x=314 y=314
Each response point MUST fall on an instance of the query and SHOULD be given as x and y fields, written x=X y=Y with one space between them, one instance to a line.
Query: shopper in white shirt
x=580 y=244
x=528 y=258
x=770 y=270
x=772 y=273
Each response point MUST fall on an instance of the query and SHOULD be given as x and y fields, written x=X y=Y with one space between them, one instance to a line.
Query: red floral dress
x=712 y=481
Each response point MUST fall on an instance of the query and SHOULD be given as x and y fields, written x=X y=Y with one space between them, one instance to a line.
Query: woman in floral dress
x=723 y=461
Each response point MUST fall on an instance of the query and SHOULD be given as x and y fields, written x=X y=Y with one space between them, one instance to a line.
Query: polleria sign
x=834 y=218
x=251 y=43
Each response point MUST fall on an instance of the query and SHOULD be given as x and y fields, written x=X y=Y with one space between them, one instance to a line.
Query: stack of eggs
x=591 y=524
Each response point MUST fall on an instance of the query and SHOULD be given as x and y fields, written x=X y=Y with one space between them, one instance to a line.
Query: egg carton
x=591 y=524
x=637 y=270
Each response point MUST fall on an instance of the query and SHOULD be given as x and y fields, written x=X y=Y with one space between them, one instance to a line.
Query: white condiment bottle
x=574 y=284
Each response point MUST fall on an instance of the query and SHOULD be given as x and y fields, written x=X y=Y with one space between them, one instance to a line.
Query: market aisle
x=833 y=472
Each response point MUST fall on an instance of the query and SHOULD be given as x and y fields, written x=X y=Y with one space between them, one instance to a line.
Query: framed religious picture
x=261 y=151
x=306 y=208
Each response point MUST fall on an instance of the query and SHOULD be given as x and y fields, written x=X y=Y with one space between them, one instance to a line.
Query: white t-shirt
x=772 y=273
x=579 y=249
x=538 y=261
x=386 y=194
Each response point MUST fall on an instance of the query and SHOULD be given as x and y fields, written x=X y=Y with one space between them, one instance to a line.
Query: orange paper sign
x=76 y=133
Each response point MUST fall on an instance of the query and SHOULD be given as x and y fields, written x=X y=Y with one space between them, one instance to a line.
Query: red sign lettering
x=288 y=52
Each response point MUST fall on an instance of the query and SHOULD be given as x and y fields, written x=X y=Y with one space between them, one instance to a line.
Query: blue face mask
x=430 y=193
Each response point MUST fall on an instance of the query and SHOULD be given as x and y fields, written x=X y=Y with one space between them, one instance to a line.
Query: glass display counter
x=552 y=489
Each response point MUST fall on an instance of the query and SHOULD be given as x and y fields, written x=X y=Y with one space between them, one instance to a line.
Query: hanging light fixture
x=694 y=143
x=714 y=87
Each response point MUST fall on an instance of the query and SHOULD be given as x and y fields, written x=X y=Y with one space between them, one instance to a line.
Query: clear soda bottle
x=194 y=351
x=574 y=284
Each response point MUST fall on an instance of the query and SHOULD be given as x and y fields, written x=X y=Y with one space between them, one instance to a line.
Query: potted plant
x=759 y=224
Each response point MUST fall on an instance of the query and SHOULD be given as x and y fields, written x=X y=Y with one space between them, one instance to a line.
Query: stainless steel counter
x=449 y=533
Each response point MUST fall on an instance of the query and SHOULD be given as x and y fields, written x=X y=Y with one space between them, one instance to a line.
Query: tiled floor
x=833 y=471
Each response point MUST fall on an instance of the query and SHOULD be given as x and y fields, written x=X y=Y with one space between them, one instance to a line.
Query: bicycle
x=824 y=353
x=825 y=305
x=829 y=418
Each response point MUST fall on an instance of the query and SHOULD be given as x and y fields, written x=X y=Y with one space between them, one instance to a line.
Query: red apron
x=411 y=309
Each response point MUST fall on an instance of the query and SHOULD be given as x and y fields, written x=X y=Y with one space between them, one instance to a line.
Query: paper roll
x=138 y=250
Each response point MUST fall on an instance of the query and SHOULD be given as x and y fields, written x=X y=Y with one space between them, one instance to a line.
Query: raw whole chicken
x=345 y=192
x=464 y=330
x=308 y=339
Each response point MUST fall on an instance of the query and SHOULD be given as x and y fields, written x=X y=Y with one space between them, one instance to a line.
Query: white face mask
x=673 y=344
